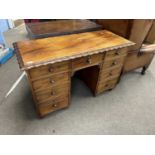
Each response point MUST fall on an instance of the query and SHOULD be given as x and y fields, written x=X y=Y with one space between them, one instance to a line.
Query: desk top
x=60 y=27
x=33 y=53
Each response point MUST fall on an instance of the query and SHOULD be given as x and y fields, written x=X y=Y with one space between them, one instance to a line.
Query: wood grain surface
x=34 y=53
x=60 y=27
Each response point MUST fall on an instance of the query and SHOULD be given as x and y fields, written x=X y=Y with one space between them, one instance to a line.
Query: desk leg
x=143 y=70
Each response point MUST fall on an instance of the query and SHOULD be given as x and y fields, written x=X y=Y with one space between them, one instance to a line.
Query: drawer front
x=53 y=105
x=102 y=79
x=116 y=54
x=87 y=61
x=48 y=70
x=105 y=74
x=52 y=93
x=109 y=84
x=51 y=81
x=113 y=63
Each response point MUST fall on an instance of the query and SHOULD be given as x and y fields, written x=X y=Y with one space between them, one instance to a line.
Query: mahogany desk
x=50 y=63
x=60 y=27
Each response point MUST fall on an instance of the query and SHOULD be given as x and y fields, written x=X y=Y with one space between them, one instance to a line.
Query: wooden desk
x=61 y=27
x=50 y=63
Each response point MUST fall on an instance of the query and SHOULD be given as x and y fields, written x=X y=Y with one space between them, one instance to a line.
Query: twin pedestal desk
x=50 y=63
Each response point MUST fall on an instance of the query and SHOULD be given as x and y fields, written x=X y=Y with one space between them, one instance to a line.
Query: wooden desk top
x=39 y=52
x=60 y=27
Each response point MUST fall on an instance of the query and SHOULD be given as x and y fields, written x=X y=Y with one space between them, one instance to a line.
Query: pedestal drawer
x=48 y=70
x=114 y=54
x=113 y=63
x=106 y=85
x=52 y=93
x=51 y=81
x=108 y=73
x=53 y=105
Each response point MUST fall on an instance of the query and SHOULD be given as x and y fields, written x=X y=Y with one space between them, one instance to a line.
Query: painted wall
x=4 y=26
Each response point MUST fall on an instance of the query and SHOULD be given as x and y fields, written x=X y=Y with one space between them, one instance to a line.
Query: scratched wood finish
x=60 y=27
x=98 y=56
x=55 y=49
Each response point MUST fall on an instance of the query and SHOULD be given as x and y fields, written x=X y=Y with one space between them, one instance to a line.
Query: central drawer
x=86 y=61
x=57 y=79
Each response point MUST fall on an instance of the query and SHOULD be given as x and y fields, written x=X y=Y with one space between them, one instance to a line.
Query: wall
x=3 y=27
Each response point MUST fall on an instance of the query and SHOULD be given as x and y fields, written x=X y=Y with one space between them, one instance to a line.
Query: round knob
x=51 y=69
x=52 y=81
x=52 y=93
x=114 y=63
x=110 y=73
x=89 y=60
x=54 y=105
x=106 y=85
x=116 y=53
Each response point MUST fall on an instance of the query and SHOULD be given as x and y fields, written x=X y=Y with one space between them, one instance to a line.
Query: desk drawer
x=106 y=85
x=110 y=73
x=48 y=70
x=53 y=105
x=87 y=61
x=58 y=79
x=102 y=79
x=115 y=54
x=113 y=63
x=52 y=93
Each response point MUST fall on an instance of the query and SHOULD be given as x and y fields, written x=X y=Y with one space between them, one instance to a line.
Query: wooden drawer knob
x=54 y=105
x=52 y=81
x=89 y=60
x=116 y=53
x=52 y=93
x=106 y=85
x=51 y=69
x=114 y=63
x=110 y=74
